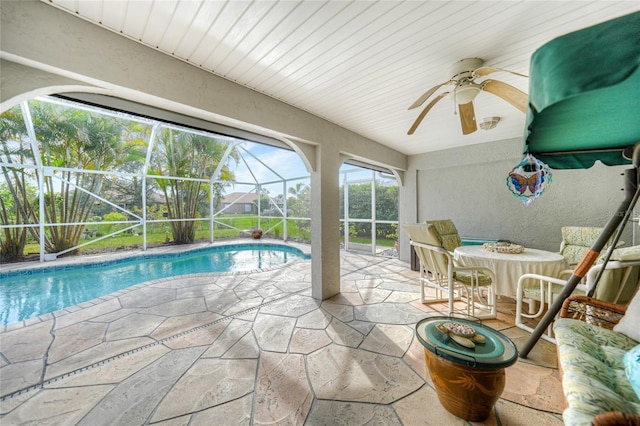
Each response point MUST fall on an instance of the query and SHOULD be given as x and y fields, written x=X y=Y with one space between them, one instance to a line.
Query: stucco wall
x=468 y=185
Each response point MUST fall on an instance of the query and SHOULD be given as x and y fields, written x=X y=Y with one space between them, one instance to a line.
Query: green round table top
x=497 y=350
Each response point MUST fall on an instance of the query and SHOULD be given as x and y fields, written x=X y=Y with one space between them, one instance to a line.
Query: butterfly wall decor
x=529 y=179
x=522 y=183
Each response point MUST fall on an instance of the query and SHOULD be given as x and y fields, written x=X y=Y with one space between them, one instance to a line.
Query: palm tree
x=194 y=157
x=77 y=139
x=299 y=202
x=18 y=193
x=68 y=139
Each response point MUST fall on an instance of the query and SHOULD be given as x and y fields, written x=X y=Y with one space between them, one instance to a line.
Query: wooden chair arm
x=616 y=418
x=593 y=311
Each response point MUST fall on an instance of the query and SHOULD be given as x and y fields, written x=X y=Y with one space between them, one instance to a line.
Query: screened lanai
x=81 y=177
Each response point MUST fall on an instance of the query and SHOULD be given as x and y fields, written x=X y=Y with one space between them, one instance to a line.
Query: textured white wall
x=468 y=185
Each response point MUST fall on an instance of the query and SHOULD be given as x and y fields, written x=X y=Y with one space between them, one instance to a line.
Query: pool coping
x=153 y=251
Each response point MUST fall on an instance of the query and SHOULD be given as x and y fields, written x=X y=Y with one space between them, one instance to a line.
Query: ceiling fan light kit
x=465 y=89
x=489 y=123
x=466 y=93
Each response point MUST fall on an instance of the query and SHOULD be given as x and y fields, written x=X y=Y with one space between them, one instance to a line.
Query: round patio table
x=468 y=381
x=508 y=267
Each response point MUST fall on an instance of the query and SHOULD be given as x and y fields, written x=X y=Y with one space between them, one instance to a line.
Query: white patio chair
x=439 y=272
x=618 y=283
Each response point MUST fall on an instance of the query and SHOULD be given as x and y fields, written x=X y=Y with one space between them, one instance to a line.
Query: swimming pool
x=29 y=293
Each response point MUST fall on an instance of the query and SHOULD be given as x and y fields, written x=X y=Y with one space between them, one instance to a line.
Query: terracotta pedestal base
x=467 y=392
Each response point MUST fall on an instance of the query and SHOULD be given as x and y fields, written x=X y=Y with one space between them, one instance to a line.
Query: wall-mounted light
x=489 y=123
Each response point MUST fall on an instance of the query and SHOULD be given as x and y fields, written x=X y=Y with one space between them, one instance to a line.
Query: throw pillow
x=626 y=253
x=628 y=324
x=632 y=368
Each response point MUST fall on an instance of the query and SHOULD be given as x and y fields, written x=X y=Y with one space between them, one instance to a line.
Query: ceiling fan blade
x=515 y=97
x=482 y=71
x=427 y=94
x=467 y=118
x=425 y=111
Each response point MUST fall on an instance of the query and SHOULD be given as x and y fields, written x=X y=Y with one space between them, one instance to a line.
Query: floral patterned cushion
x=626 y=254
x=448 y=233
x=576 y=240
x=534 y=292
x=467 y=277
x=593 y=371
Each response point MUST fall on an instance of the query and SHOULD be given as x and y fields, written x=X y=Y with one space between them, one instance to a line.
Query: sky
x=286 y=163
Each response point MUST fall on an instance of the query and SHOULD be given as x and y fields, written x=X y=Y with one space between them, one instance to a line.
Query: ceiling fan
x=466 y=88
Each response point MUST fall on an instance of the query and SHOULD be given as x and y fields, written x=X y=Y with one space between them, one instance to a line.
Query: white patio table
x=508 y=267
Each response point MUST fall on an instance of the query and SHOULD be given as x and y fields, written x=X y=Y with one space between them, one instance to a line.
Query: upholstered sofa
x=599 y=362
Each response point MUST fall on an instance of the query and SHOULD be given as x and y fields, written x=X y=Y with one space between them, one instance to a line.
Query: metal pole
x=373 y=213
x=614 y=242
x=285 y=213
x=631 y=184
x=212 y=217
x=346 y=212
x=145 y=172
x=33 y=141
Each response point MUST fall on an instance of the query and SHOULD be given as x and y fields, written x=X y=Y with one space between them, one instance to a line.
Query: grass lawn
x=158 y=233
x=227 y=226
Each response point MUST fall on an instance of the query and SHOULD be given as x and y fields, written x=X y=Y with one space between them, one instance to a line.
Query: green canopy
x=584 y=96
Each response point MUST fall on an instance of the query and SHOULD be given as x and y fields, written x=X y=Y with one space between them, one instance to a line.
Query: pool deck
x=252 y=349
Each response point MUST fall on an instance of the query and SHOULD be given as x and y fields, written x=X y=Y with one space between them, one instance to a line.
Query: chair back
x=448 y=233
x=429 y=248
x=577 y=240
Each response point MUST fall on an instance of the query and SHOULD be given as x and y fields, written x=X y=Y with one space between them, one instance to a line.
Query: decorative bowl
x=503 y=248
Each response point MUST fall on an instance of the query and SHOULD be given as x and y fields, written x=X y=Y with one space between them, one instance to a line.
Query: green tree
x=72 y=138
x=386 y=202
x=299 y=205
x=69 y=139
x=113 y=216
x=195 y=158
x=17 y=192
x=14 y=239
x=299 y=200
x=360 y=208
x=126 y=191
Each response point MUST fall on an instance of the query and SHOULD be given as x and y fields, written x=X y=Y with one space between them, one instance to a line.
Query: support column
x=325 y=224
x=407 y=210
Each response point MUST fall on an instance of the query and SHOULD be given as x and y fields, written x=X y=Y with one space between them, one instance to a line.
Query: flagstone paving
x=252 y=349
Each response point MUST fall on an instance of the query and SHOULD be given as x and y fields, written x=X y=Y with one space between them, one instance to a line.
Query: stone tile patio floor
x=252 y=348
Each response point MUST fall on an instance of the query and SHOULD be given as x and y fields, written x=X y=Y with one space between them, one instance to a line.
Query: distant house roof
x=243 y=197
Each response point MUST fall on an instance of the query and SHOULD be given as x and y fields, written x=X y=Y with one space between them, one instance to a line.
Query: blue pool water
x=30 y=293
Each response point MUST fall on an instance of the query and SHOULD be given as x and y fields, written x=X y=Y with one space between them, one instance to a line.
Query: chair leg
x=488 y=300
x=546 y=298
x=439 y=292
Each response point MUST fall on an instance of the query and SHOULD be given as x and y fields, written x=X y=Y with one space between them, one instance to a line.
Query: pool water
x=30 y=293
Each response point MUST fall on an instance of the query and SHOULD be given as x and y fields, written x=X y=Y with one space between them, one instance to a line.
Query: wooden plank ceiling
x=359 y=64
